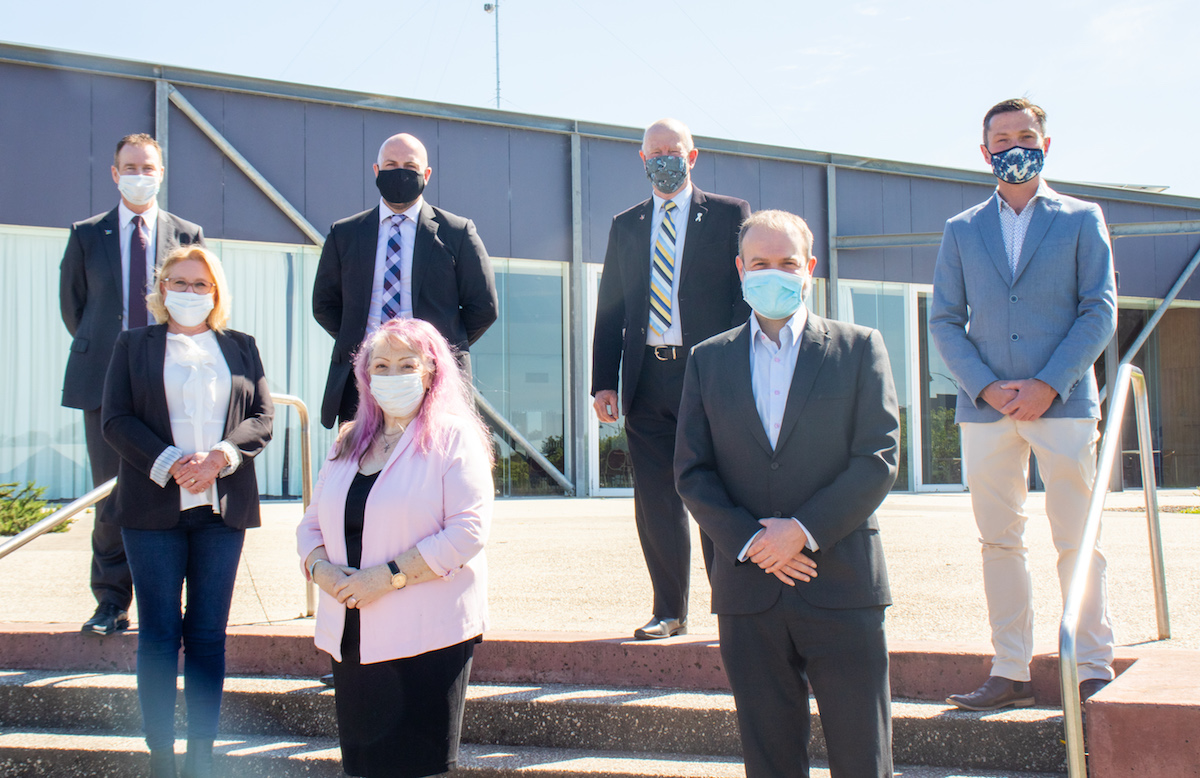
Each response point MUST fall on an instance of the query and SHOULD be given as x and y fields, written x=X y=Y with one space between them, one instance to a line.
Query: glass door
x=941 y=449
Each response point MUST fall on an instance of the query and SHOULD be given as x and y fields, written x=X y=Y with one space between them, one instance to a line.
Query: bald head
x=402 y=150
x=668 y=138
x=670 y=132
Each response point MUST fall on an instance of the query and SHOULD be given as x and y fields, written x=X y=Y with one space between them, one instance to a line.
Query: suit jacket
x=92 y=294
x=137 y=425
x=833 y=464
x=710 y=294
x=440 y=502
x=1051 y=321
x=453 y=287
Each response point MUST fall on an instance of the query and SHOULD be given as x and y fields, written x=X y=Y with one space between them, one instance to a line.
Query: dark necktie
x=391 y=270
x=137 y=274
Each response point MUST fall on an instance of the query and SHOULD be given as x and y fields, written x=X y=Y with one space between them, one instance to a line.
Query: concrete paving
x=575 y=566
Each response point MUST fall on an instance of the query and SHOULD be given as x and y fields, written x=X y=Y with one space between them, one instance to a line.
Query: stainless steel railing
x=1127 y=376
x=103 y=490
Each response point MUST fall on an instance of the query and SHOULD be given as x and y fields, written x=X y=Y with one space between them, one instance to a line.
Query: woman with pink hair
x=394 y=539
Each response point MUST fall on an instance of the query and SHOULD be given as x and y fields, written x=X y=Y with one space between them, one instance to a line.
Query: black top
x=356 y=507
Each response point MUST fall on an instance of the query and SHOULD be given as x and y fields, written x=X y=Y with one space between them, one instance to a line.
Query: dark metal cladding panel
x=333 y=165
x=378 y=126
x=45 y=136
x=120 y=106
x=198 y=166
x=615 y=180
x=474 y=164
x=269 y=133
x=862 y=264
x=737 y=176
x=541 y=205
x=896 y=192
x=934 y=202
x=859 y=202
x=816 y=213
x=800 y=189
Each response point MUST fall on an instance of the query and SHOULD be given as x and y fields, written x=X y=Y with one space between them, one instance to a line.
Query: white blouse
x=197 y=384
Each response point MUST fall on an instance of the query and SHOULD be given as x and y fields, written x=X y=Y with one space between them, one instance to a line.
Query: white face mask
x=398 y=395
x=188 y=308
x=139 y=190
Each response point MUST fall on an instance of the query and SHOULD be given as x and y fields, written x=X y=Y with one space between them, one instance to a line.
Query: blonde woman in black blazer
x=187 y=407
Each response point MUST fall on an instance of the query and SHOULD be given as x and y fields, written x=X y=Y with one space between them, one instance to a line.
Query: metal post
x=579 y=404
x=1150 y=490
x=831 y=208
x=1112 y=363
x=310 y=594
x=162 y=134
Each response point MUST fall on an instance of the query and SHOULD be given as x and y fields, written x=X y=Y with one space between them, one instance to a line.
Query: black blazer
x=453 y=287
x=91 y=295
x=710 y=294
x=834 y=462
x=137 y=425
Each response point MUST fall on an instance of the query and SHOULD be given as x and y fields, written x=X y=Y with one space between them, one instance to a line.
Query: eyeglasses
x=199 y=287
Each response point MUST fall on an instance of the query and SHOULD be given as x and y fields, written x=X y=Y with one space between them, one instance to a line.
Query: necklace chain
x=387 y=444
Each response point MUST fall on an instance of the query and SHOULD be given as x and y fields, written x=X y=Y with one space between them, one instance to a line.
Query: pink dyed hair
x=448 y=396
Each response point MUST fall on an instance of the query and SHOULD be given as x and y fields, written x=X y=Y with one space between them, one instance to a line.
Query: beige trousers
x=997 y=461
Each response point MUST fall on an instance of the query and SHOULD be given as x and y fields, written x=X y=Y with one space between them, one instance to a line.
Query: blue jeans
x=205 y=552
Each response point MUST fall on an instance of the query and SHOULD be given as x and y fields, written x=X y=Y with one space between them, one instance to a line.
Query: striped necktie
x=391 y=270
x=662 y=272
x=138 y=245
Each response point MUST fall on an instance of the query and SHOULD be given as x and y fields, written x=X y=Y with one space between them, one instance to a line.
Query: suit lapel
x=1043 y=215
x=814 y=345
x=164 y=237
x=237 y=380
x=740 y=381
x=427 y=229
x=362 y=259
x=110 y=238
x=639 y=274
x=156 y=357
x=696 y=227
x=993 y=238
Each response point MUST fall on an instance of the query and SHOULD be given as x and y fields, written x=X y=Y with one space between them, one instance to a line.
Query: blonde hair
x=218 y=317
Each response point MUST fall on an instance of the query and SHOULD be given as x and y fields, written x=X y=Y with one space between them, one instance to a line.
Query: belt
x=667 y=353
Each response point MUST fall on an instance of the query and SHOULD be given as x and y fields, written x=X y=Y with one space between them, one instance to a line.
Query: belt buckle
x=664 y=349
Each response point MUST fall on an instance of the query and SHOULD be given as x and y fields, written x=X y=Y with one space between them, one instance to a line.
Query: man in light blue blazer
x=1024 y=301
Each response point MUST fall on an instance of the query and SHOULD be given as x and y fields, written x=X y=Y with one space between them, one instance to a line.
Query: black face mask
x=400 y=185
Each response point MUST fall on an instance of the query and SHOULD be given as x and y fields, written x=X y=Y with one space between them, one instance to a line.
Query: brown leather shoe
x=996 y=693
x=1089 y=687
x=657 y=629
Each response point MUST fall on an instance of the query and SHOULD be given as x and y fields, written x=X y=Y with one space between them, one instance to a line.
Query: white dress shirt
x=197 y=384
x=125 y=222
x=408 y=236
x=683 y=206
x=1013 y=225
x=771 y=370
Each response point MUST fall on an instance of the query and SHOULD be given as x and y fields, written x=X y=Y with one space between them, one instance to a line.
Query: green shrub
x=21 y=507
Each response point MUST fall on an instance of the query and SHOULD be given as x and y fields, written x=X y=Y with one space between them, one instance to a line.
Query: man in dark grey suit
x=669 y=282
x=402 y=258
x=787 y=443
x=1024 y=301
x=106 y=270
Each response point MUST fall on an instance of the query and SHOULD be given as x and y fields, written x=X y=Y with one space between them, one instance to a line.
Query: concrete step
x=66 y=754
x=556 y=716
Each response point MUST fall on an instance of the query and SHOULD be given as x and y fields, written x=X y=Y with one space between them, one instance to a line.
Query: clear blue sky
x=896 y=80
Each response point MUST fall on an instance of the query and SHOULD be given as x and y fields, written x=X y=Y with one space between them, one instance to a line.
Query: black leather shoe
x=996 y=693
x=657 y=629
x=107 y=619
x=1089 y=687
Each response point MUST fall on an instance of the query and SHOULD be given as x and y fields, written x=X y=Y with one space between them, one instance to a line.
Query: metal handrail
x=103 y=490
x=1127 y=376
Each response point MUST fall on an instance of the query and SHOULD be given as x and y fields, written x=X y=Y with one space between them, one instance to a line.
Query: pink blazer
x=440 y=503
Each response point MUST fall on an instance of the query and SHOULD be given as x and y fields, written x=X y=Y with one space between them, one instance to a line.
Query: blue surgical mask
x=1018 y=164
x=667 y=173
x=773 y=294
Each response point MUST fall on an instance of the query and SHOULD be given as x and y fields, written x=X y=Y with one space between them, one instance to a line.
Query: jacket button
x=774 y=465
x=1015 y=336
x=778 y=515
x=1012 y=299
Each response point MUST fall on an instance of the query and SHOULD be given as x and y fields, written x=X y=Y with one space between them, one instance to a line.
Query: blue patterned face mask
x=1018 y=164
x=667 y=173
x=773 y=294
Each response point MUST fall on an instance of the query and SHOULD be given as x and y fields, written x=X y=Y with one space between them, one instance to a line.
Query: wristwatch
x=399 y=579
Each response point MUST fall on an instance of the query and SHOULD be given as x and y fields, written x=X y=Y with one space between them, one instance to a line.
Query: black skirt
x=401 y=718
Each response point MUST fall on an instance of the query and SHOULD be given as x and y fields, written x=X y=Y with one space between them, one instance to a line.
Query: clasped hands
x=197 y=472
x=352 y=587
x=779 y=550
x=1024 y=400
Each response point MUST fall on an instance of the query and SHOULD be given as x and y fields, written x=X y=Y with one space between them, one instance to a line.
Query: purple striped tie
x=137 y=275
x=391 y=270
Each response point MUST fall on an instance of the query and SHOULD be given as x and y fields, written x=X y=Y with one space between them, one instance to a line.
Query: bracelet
x=313 y=567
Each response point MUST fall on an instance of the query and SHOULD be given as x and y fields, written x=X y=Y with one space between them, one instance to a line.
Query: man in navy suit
x=106 y=270
x=669 y=282
x=402 y=258
x=1024 y=301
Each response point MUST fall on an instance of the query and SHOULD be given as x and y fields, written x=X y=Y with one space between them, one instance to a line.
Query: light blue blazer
x=1051 y=321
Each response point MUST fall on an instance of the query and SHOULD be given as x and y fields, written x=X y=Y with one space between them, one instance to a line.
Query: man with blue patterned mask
x=1024 y=302
x=669 y=282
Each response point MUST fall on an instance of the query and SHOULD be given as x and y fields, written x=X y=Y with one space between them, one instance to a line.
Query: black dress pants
x=111 y=580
